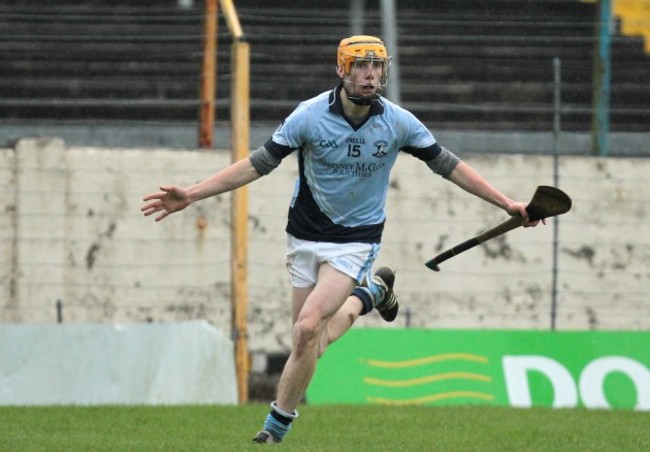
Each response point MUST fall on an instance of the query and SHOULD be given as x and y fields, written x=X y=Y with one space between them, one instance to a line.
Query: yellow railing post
x=240 y=149
x=240 y=132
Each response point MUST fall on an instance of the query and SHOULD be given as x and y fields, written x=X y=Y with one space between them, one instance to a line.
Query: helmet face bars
x=359 y=51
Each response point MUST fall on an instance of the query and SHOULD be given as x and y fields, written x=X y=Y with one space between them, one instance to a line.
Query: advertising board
x=510 y=368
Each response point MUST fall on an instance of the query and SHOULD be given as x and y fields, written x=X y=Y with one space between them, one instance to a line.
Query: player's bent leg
x=379 y=294
x=384 y=280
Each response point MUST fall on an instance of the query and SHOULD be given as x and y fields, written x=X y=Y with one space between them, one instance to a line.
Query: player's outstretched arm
x=173 y=198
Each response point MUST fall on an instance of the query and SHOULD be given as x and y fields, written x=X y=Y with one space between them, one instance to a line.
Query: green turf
x=322 y=428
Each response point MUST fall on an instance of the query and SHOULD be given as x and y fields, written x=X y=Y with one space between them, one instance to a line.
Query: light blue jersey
x=343 y=181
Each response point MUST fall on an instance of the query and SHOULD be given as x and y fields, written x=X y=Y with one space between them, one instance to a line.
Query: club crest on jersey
x=381 y=148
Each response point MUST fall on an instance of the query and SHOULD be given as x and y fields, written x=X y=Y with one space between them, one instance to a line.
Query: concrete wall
x=72 y=232
x=183 y=135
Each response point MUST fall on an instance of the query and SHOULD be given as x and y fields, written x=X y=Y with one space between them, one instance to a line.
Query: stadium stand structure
x=463 y=65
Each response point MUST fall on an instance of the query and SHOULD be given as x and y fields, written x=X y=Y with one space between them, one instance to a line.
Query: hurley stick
x=547 y=202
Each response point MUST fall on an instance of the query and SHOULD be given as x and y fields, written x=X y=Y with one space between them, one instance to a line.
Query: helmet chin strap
x=358 y=99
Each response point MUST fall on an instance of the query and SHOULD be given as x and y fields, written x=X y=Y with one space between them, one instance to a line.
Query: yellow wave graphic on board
x=425 y=360
x=432 y=398
x=427 y=379
x=412 y=363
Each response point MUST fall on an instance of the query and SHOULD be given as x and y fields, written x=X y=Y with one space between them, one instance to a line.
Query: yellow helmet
x=360 y=46
x=358 y=49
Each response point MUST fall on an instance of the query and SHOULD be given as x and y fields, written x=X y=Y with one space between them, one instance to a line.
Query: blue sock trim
x=275 y=427
x=374 y=290
x=365 y=296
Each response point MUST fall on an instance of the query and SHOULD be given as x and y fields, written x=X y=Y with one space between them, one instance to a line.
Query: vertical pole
x=389 y=27
x=208 y=78
x=557 y=90
x=602 y=80
x=240 y=94
x=357 y=17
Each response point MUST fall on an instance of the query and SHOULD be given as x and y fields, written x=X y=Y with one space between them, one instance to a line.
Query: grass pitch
x=322 y=428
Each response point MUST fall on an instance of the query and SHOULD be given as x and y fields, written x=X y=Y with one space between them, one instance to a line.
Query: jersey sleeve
x=287 y=137
x=415 y=134
x=421 y=144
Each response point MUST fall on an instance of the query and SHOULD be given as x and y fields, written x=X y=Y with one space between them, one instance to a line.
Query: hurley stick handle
x=504 y=227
